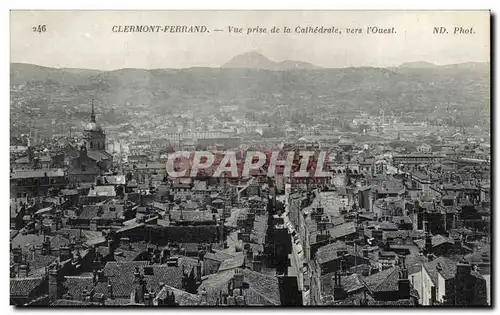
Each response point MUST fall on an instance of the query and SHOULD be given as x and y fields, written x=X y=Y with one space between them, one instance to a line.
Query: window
x=84 y=168
x=91 y=144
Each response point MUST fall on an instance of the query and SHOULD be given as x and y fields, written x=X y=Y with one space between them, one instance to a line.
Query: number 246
x=39 y=29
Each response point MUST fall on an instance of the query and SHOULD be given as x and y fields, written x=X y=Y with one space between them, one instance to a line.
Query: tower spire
x=92 y=116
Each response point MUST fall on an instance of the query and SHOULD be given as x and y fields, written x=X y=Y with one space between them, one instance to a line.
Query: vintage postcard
x=250 y=158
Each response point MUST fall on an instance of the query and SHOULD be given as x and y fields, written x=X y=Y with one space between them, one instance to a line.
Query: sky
x=84 y=39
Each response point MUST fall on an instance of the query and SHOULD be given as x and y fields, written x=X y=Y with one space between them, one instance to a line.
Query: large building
x=93 y=158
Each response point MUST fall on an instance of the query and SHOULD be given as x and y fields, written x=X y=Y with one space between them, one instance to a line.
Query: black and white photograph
x=238 y=159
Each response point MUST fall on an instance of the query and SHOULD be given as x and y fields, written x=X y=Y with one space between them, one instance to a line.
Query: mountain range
x=253 y=81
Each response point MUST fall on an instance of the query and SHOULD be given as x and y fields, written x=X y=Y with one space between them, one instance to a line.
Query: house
x=36 y=183
x=445 y=282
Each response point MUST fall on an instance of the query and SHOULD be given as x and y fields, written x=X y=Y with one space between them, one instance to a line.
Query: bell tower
x=92 y=116
x=94 y=135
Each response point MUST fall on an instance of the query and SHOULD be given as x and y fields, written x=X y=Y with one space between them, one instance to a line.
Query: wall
x=441 y=289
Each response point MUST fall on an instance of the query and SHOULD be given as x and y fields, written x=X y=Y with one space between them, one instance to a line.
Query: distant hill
x=252 y=86
x=22 y=73
x=475 y=66
x=255 y=60
x=418 y=65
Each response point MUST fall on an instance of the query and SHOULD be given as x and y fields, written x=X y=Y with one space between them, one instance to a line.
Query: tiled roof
x=263 y=289
x=62 y=302
x=350 y=283
x=193 y=216
x=24 y=286
x=75 y=285
x=234 y=262
x=22 y=160
x=182 y=298
x=383 y=281
x=218 y=256
x=436 y=241
x=29 y=240
x=329 y=252
x=92 y=211
x=98 y=155
x=69 y=192
x=38 y=173
x=441 y=265
x=121 y=275
x=129 y=253
x=342 y=230
x=38 y=262
x=398 y=219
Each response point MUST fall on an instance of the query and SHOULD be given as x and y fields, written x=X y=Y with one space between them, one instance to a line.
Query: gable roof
x=263 y=289
x=182 y=298
x=342 y=230
x=383 y=281
x=436 y=240
x=329 y=252
x=443 y=266
x=24 y=286
x=121 y=275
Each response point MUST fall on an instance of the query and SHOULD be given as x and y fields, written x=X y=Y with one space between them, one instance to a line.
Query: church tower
x=94 y=135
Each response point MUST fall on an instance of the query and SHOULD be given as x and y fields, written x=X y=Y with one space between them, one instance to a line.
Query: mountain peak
x=255 y=60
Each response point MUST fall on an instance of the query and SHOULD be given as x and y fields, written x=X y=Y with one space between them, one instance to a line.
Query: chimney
x=125 y=241
x=46 y=246
x=257 y=265
x=101 y=298
x=54 y=281
x=111 y=249
x=64 y=253
x=184 y=279
x=100 y=276
x=238 y=278
x=240 y=300
x=148 y=301
x=18 y=255
x=93 y=224
x=24 y=270
x=338 y=290
x=403 y=282
x=137 y=274
x=428 y=244
x=110 y=290
x=229 y=289
x=85 y=294
x=198 y=272
x=165 y=255
x=204 y=297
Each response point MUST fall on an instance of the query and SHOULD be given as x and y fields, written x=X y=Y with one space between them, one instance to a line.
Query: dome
x=92 y=126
